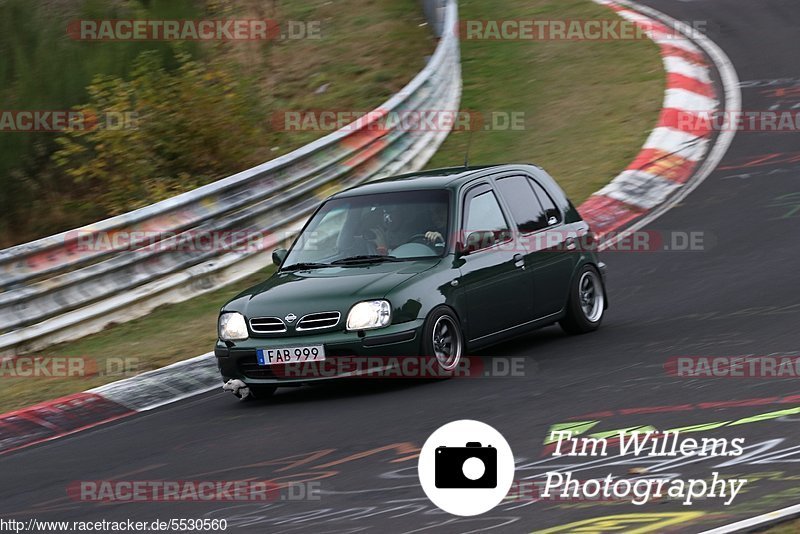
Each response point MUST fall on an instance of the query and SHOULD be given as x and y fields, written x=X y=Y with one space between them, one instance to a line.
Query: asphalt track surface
x=739 y=296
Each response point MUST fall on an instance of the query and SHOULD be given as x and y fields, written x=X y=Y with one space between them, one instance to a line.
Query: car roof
x=445 y=178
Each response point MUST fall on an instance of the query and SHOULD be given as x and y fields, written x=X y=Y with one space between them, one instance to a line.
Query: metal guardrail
x=54 y=290
x=434 y=11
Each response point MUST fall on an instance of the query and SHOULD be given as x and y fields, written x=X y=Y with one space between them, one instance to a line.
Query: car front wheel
x=443 y=339
x=587 y=302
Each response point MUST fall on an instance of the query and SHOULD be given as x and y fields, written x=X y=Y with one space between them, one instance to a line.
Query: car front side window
x=484 y=222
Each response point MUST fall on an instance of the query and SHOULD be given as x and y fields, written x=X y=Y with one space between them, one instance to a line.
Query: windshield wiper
x=365 y=258
x=304 y=265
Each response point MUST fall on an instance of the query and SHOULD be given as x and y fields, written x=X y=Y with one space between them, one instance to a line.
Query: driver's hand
x=433 y=237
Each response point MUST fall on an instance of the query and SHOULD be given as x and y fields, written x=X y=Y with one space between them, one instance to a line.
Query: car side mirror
x=278 y=255
x=553 y=217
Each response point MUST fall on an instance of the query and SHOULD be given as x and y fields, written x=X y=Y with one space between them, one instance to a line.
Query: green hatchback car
x=428 y=266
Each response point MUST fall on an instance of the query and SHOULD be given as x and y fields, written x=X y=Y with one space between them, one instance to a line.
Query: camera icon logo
x=466 y=467
x=472 y=466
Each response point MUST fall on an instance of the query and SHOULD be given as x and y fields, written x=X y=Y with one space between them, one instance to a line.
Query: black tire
x=438 y=319
x=584 y=313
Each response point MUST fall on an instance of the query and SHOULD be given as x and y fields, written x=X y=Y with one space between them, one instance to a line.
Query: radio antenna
x=466 y=152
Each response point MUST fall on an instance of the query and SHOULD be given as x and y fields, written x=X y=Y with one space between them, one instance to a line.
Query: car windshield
x=374 y=228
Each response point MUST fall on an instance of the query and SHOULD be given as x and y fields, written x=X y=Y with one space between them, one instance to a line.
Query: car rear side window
x=523 y=203
x=549 y=206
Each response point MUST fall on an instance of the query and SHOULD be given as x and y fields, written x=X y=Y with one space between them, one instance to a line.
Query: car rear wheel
x=443 y=340
x=587 y=302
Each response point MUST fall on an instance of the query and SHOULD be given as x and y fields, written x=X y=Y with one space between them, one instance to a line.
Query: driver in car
x=433 y=231
x=438 y=224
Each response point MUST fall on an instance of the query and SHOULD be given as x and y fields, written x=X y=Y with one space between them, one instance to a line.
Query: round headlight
x=369 y=314
x=232 y=327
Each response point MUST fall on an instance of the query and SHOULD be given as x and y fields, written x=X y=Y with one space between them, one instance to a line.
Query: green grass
x=792 y=527
x=589 y=107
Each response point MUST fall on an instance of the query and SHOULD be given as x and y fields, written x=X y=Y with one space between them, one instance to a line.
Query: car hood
x=326 y=289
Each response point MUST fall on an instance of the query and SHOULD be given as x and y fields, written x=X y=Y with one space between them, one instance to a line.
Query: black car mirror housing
x=278 y=255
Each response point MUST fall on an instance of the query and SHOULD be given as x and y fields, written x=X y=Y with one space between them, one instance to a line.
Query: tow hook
x=239 y=389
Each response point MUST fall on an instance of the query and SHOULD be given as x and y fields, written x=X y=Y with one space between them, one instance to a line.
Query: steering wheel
x=420 y=238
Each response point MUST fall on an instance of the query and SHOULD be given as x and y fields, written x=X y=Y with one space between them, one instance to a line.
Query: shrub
x=190 y=126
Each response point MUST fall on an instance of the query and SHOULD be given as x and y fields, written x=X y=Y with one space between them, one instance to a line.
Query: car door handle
x=519 y=261
x=570 y=243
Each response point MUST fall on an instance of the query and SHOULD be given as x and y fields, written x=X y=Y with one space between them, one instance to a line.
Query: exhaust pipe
x=239 y=389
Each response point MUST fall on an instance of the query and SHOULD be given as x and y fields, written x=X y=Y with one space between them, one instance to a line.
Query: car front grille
x=316 y=321
x=267 y=325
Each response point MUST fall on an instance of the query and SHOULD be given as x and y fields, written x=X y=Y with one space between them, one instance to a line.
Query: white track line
x=760 y=520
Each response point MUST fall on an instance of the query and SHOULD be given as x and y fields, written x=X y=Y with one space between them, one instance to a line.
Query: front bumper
x=238 y=361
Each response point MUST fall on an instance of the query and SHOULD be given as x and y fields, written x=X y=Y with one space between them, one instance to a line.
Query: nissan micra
x=427 y=265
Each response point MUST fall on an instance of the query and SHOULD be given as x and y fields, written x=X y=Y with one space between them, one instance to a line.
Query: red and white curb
x=67 y=415
x=673 y=151
x=56 y=418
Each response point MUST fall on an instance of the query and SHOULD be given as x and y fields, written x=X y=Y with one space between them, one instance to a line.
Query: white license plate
x=306 y=353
